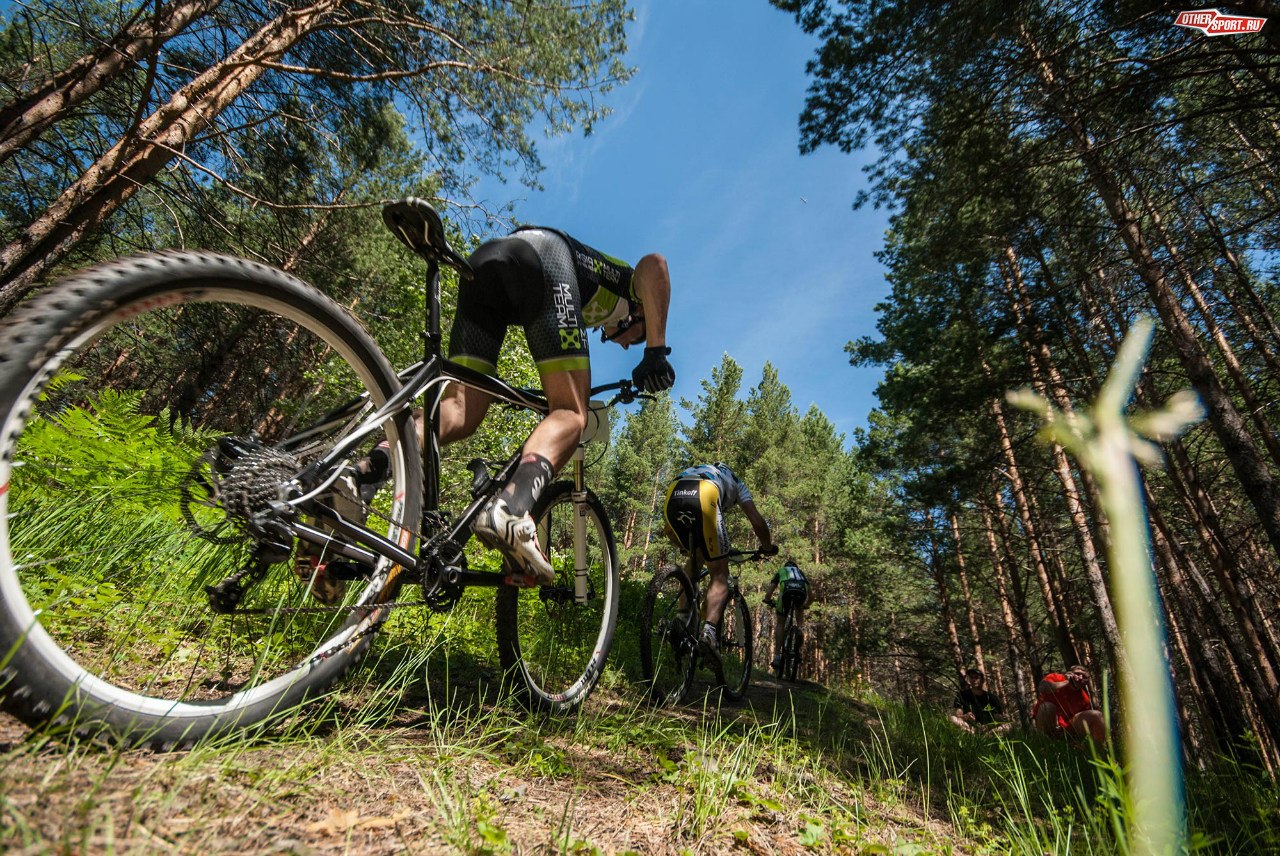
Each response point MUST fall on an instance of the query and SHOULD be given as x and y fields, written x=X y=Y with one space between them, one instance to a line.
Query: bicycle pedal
x=522 y=580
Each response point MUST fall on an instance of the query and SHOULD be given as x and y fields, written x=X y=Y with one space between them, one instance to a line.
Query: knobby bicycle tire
x=553 y=641
x=115 y=385
x=791 y=651
x=736 y=645
x=668 y=644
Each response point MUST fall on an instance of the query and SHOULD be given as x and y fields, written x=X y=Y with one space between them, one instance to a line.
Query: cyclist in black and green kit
x=556 y=288
x=795 y=595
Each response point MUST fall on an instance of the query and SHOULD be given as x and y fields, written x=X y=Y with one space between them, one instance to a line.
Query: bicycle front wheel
x=119 y=389
x=736 y=645
x=667 y=642
x=554 y=640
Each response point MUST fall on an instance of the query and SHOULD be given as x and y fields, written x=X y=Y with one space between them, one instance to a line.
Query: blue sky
x=700 y=161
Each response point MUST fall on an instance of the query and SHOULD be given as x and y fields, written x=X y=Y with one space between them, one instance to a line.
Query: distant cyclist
x=694 y=517
x=795 y=596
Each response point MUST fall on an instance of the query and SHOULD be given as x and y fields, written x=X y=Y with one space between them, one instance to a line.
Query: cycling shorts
x=792 y=598
x=693 y=519
x=527 y=279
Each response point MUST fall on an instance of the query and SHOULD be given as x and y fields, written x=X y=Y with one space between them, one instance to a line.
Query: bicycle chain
x=254 y=491
x=325 y=610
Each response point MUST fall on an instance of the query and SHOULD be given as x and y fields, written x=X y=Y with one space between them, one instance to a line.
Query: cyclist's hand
x=654 y=374
x=769 y=550
x=768 y=601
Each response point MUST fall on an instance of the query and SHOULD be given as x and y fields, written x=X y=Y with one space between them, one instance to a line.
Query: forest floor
x=453 y=771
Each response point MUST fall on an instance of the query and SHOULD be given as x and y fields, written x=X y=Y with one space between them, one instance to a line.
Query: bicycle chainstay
x=441 y=600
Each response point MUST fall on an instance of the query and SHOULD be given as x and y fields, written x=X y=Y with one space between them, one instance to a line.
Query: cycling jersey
x=546 y=282
x=794 y=585
x=732 y=490
x=604 y=281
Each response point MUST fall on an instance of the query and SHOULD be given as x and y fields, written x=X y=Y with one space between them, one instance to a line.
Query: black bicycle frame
x=425 y=378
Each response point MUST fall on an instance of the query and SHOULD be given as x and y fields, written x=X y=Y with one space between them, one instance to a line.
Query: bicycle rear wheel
x=116 y=387
x=735 y=644
x=667 y=641
x=554 y=640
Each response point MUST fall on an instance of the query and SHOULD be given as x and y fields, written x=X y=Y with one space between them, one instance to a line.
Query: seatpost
x=433 y=342
x=431 y=404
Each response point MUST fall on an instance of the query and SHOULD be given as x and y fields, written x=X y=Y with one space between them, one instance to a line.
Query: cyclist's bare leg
x=462 y=409
x=717 y=589
x=558 y=434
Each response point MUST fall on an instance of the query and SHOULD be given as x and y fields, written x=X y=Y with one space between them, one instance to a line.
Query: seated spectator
x=978 y=710
x=1064 y=708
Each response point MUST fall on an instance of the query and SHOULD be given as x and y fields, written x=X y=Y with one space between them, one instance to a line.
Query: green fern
x=108 y=443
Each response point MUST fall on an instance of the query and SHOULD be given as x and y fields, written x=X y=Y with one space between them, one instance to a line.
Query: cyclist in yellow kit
x=694 y=520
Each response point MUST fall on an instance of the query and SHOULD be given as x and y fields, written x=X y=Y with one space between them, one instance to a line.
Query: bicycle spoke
x=554 y=639
x=115 y=513
x=668 y=642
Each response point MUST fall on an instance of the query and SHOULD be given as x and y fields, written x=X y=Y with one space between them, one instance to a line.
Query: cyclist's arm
x=773 y=586
x=758 y=524
x=652 y=285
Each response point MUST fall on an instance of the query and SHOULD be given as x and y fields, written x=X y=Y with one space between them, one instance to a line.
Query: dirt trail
x=645 y=784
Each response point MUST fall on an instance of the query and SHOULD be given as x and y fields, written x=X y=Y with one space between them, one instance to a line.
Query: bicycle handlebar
x=627 y=392
x=744 y=554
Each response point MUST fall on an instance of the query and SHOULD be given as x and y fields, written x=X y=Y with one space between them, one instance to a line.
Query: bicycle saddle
x=420 y=228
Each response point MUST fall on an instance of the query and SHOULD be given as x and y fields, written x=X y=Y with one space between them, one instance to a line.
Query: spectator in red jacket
x=1063 y=707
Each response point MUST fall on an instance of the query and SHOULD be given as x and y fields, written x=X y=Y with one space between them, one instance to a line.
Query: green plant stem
x=1151 y=733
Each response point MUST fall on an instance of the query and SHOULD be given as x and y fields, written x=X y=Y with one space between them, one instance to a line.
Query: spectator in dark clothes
x=977 y=709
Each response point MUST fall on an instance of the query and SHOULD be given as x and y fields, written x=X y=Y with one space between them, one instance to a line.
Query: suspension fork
x=431 y=404
x=581 y=577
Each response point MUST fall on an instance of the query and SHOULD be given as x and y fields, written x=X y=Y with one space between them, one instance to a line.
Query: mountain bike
x=669 y=627
x=150 y=596
x=792 y=643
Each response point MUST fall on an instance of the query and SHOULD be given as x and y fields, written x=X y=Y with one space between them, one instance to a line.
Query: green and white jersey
x=791 y=578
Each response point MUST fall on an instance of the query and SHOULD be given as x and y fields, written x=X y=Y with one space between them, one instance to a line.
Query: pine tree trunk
x=1040 y=364
x=1253 y=406
x=1250 y=692
x=969 y=612
x=1223 y=562
x=1256 y=319
x=1012 y=626
x=648 y=531
x=138 y=158
x=27 y=116
x=1257 y=482
x=1052 y=601
x=944 y=601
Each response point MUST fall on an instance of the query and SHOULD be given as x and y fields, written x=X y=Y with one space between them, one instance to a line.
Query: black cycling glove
x=654 y=373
